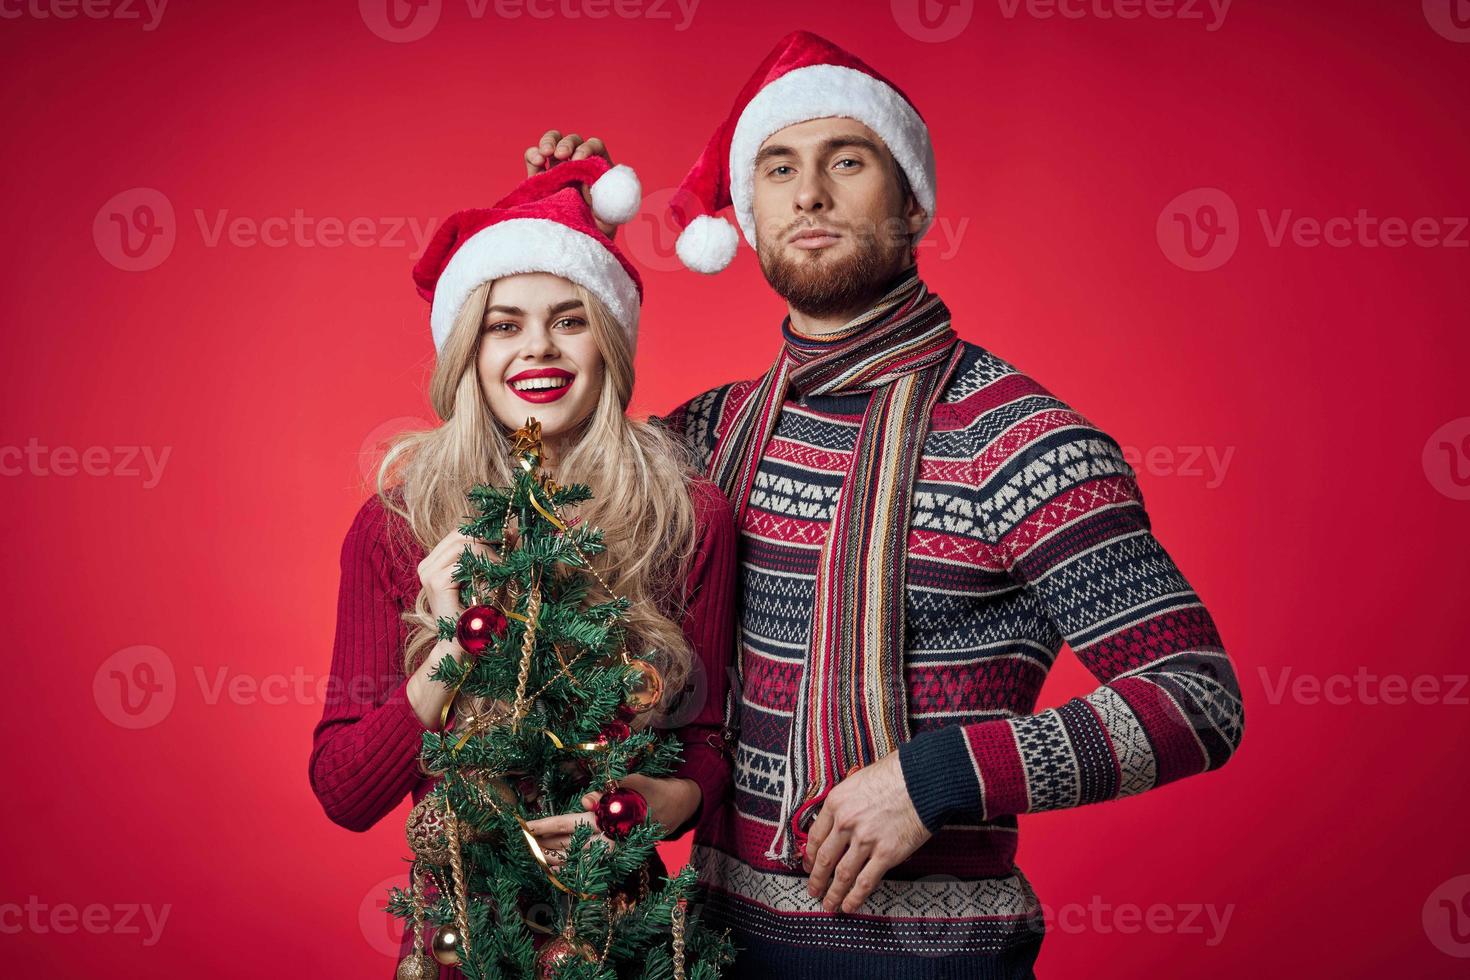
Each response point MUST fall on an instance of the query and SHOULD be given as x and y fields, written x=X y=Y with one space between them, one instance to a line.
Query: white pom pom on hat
x=707 y=244
x=804 y=77
x=617 y=195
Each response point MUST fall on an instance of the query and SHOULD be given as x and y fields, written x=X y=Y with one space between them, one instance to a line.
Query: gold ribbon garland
x=534 y=845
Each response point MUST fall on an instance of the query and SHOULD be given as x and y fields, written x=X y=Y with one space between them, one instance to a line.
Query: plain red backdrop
x=265 y=353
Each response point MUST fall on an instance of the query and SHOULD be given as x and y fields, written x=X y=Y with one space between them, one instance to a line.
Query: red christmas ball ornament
x=557 y=953
x=619 y=810
x=625 y=712
x=613 y=731
x=478 y=627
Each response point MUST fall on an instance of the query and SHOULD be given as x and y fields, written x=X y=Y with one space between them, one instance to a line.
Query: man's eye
x=855 y=163
x=776 y=170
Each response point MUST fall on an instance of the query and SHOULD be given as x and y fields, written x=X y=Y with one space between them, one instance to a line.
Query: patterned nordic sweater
x=1028 y=531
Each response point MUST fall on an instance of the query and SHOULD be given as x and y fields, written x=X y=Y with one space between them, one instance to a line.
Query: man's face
x=833 y=220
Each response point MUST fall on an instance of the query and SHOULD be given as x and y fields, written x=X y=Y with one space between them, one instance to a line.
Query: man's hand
x=553 y=148
x=866 y=826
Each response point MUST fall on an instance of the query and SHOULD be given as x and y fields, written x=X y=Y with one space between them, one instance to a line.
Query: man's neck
x=820 y=326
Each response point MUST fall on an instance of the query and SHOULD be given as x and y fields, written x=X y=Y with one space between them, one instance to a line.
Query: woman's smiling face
x=537 y=354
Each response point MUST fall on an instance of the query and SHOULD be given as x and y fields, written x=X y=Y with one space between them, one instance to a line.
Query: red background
x=1332 y=544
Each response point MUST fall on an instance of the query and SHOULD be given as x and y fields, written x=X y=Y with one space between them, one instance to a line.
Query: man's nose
x=813 y=195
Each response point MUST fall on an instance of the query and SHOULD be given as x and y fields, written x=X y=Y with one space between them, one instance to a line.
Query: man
x=922 y=527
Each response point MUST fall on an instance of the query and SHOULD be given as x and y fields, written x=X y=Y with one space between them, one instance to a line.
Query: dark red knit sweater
x=364 y=757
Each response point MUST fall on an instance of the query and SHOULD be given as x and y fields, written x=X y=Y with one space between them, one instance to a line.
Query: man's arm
x=1066 y=517
x=1068 y=520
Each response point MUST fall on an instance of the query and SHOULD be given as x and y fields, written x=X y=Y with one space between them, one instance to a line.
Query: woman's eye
x=504 y=326
x=571 y=322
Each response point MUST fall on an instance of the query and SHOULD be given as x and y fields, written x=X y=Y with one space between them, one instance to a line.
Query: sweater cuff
x=939 y=775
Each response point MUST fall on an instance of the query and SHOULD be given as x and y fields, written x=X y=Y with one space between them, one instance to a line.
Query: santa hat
x=544 y=225
x=804 y=77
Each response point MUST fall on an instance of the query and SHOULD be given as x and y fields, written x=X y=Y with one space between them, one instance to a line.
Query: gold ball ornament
x=417 y=966
x=445 y=945
x=427 y=830
x=645 y=687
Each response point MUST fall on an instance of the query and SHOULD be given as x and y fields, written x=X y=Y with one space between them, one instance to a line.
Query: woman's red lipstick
x=541 y=395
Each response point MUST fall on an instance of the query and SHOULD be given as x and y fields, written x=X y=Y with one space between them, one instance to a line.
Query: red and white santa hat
x=804 y=77
x=544 y=225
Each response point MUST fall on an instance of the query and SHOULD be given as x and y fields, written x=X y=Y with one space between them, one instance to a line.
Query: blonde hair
x=639 y=477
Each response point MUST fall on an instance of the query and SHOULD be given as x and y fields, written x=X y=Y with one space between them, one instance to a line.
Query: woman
x=534 y=313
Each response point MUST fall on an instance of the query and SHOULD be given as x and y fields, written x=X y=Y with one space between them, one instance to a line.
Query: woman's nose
x=539 y=343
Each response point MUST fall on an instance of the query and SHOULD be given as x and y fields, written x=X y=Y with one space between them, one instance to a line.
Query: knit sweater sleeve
x=365 y=747
x=709 y=625
x=1063 y=512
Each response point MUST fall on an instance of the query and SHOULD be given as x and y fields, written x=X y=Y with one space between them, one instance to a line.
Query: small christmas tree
x=560 y=688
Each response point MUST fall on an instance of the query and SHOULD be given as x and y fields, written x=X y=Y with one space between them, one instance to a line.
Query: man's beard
x=820 y=286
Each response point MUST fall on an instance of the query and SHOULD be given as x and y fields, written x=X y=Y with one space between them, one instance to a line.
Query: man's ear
x=914 y=214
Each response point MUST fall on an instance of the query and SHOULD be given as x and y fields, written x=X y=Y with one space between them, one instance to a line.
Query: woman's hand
x=436 y=572
x=671 y=801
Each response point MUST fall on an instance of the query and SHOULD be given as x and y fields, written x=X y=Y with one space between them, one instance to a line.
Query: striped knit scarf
x=853 y=705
